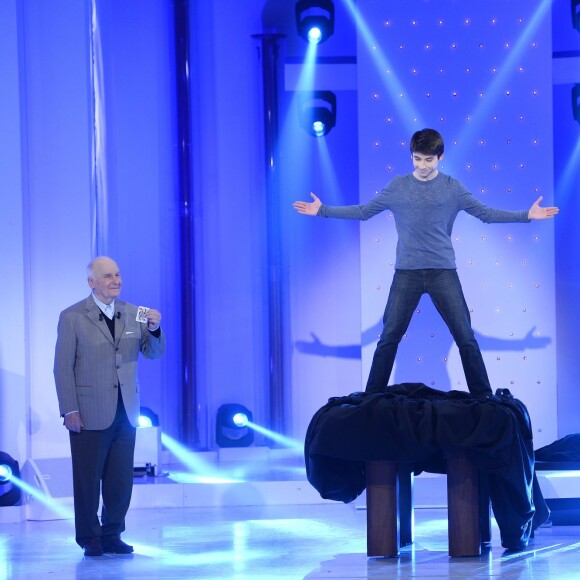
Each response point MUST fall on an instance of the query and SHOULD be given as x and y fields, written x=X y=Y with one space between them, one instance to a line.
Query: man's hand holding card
x=150 y=316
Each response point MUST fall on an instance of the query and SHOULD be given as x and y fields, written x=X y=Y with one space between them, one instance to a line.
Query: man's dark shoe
x=93 y=547
x=116 y=546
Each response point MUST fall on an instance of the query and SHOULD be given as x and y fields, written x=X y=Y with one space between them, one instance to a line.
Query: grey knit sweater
x=424 y=213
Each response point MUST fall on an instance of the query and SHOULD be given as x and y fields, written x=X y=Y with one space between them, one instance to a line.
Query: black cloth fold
x=415 y=424
x=566 y=449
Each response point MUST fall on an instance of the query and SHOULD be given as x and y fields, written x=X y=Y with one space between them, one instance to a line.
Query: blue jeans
x=445 y=290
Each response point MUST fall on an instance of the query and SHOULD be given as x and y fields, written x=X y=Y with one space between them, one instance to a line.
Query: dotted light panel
x=480 y=73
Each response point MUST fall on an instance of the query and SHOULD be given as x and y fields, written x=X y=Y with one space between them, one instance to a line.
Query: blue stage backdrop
x=89 y=140
x=566 y=115
x=481 y=76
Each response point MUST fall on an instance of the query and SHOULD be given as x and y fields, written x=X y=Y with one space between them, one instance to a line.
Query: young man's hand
x=541 y=213
x=308 y=208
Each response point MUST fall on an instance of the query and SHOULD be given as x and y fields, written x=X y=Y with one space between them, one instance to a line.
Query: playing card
x=142 y=312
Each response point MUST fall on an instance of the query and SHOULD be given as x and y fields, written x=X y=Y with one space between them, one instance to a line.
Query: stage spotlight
x=317 y=112
x=147 y=418
x=232 y=429
x=9 y=492
x=315 y=20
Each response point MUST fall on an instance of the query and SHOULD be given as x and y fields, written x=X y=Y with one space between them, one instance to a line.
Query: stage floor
x=256 y=517
x=273 y=542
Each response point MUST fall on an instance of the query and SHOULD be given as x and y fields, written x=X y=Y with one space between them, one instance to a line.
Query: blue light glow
x=319 y=128
x=306 y=528
x=497 y=87
x=62 y=511
x=328 y=168
x=145 y=421
x=240 y=419
x=306 y=80
x=304 y=85
x=196 y=559
x=200 y=471
x=566 y=181
x=293 y=444
x=314 y=35
x=393 y=86
x=5 y=473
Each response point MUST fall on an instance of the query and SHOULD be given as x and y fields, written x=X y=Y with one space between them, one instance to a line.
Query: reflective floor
x=308 y=541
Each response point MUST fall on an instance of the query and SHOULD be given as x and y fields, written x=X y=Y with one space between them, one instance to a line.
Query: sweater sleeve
x=491 y=215
x=356 y=212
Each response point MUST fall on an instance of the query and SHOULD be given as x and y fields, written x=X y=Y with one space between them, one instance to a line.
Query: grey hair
x=91 y=266
x=90 y=271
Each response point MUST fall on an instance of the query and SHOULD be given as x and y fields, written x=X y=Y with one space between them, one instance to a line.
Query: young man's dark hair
x=428 y=142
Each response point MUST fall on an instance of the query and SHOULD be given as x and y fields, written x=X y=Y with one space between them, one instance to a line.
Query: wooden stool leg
x=463 y=504
x=382 y=507
x=406 y=511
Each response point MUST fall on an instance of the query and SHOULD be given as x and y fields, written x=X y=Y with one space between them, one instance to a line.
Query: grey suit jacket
x=89 y=366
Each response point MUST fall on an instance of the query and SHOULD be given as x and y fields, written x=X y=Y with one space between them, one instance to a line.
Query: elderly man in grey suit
x=95 y=370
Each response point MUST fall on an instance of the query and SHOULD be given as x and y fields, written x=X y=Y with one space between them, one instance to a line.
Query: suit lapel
x=93 y=312
x=119 y=320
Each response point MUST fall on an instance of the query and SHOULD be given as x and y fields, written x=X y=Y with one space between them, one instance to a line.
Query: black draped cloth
x=565 y=450
x=414 y=424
